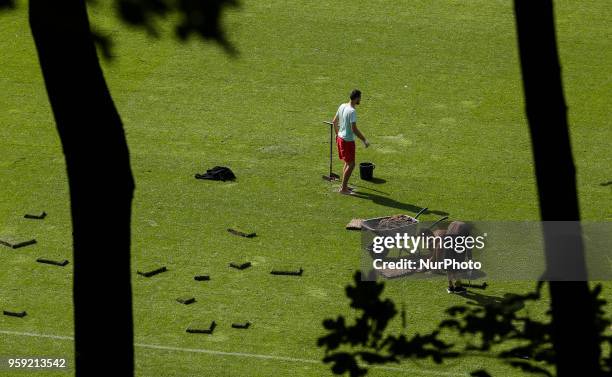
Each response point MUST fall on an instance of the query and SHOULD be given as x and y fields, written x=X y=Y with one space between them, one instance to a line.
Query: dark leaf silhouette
x=196 y=17
x=497 y=322
x=366 y=334
x=104 y=44
x=7 y=4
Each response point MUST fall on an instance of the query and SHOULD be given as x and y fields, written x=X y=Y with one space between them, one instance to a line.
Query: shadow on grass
x=369 y=188
x=377 y=181
x=392 y=203
x=609 y=183
x=479 y=299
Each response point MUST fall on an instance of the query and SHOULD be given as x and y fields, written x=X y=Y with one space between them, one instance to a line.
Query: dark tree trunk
x=101 y=186
x=574 y=334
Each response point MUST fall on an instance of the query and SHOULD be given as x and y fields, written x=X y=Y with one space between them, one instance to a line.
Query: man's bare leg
x=346 y=174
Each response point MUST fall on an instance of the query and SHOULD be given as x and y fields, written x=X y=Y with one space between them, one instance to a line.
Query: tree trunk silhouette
x=574 y=333
x=100 y=181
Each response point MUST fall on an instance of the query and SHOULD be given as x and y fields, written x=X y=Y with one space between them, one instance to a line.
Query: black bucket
x=366 y=171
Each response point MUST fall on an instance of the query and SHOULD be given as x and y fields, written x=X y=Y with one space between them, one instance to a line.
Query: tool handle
x=420 y=213
x=437 y=222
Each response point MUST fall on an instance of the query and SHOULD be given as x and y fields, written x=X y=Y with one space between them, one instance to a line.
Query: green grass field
x=442 y=107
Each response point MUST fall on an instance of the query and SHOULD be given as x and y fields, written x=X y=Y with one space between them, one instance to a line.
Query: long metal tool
x=332 y=176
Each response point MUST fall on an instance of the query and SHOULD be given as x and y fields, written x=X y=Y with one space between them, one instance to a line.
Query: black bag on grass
x=218 y=173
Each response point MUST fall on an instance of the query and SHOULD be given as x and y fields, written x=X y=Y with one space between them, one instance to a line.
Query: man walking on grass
x=345 y=125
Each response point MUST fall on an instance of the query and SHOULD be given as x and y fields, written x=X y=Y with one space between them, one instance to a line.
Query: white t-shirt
x=346 y=115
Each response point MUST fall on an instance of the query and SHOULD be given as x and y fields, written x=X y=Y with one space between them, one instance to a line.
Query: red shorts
x=346 y=149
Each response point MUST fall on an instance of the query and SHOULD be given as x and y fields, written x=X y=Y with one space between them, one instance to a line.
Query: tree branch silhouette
x=556 y=183
x=366 y=334
x=97 y=160
x=571 y=341
x=353 y=348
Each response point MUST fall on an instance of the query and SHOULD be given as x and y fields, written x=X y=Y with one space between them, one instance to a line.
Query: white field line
x=239 y=354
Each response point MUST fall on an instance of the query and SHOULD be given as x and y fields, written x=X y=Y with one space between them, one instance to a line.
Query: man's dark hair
x=356 y=93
